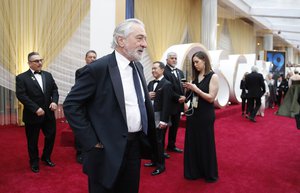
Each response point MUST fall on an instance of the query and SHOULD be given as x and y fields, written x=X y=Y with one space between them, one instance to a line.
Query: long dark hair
x=203 y=56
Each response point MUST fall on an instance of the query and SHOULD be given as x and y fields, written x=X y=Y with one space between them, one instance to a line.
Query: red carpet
x=262 y=157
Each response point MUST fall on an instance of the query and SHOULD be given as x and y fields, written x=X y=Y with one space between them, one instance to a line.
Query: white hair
x=171 y=54
x=124 y=29
x=254 y=69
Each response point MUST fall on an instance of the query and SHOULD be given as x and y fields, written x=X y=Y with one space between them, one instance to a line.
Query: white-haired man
x=118 y=113
x=256 y=89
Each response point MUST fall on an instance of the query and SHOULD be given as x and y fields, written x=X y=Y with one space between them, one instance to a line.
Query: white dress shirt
x=38 y=77
x=173 y=71
x=133 y=114
x=156 y=83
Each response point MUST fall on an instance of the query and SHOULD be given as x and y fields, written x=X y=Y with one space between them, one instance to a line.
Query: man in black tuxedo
x=90 y=57
x=37 y=91
x=281 y=85
x=174 y=75
x=160 y=92
x=110 y=111
x=256 y=89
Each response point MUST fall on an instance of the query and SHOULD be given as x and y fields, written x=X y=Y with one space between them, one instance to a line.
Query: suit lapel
x=117 y=84
x=44 y=82
x=150 y=86
x=158 y=86
x=160 y=83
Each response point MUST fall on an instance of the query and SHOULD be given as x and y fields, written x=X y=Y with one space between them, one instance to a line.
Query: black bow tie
x=156 y=81
x=37 y=72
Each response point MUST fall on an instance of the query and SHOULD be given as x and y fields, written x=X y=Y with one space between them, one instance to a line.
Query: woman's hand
x=189 y=86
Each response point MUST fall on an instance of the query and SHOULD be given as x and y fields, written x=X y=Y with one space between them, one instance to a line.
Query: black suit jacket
x=163 y=97
x=30 y=94
x=99 y=89
x=255 y=85
x=282 y=87
x=79 y=71
x=178 y=91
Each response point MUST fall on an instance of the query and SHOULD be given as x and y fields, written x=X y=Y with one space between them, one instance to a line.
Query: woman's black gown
x=200 y=159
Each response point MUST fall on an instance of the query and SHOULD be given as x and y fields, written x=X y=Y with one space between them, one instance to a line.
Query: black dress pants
x=159 y=159
x=129 y=174
x=175 y=118
x=254 y=105
x=78 y=147
x=32 y=134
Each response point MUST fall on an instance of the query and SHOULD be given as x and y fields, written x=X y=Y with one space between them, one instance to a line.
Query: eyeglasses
x=37 y=61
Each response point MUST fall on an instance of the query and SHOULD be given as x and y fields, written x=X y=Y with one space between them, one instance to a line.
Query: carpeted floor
x=262 y=157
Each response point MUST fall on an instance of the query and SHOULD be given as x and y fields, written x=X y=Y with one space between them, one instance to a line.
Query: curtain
x=242 y=36
x=165 y=21
x=194 y=21
x=220 y=28
x=33 y=25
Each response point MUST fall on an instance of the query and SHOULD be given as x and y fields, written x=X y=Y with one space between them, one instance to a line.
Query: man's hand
x=162 y=125
x=181 y=99
x=152 y=95
x=53 y=106
x=40 y=112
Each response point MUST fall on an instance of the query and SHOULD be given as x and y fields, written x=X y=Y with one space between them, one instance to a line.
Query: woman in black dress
x=200 y=160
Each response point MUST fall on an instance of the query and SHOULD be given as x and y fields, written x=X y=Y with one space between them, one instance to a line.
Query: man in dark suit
x=37 y=91
x=174 y=75
x=281 y=88
x=160 y=92
x=110 y=111
x=90 y=57
x=256 y=89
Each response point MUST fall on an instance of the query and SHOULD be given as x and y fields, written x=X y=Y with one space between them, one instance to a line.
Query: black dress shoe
x=166 y=155
x=175 y=149
x=211 y=180
x=48 y=162
x=150 y=164
x=35 y=168
x=252 y=119
x=157 y=171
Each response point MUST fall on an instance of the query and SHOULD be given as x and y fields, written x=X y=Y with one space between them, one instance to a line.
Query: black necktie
x=139 y=94
x=37 y=72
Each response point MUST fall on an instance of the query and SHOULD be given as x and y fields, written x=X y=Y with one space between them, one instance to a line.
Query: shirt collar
x=159 y=79
x=121 y=60
x=32 y=70
x=172 y=68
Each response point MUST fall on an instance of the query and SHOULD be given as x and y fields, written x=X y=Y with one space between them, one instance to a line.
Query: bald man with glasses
x=38 y=92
